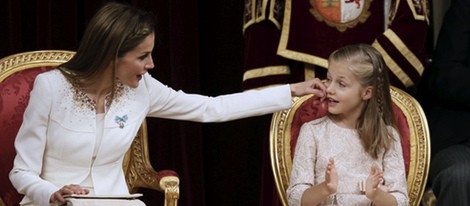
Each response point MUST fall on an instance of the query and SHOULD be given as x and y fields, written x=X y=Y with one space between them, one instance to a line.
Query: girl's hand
x=72 y=189
x=373 y=181
x=331 y=177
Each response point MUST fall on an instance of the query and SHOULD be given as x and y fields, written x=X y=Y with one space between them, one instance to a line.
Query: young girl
x=353 y=155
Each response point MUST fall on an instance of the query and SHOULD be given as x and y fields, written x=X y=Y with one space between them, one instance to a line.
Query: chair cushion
x=309 y=110
x=404 y=130
x=15 y=96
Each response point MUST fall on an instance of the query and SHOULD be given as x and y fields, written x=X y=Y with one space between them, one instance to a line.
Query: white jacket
x=56 y=140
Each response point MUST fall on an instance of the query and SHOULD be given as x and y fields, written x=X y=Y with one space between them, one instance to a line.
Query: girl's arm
x=374 y=192
x=317 y=193
x=302 y=189
x=393 y=175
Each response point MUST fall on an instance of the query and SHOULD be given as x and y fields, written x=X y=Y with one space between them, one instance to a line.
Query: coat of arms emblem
x=341 y=14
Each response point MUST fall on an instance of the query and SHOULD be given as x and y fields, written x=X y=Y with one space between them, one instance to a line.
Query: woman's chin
x=133 y=84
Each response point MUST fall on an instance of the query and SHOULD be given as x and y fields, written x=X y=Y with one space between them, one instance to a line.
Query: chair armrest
x=169 y=182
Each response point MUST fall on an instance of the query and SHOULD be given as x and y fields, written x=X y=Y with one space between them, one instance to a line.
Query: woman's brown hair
x=112 y=32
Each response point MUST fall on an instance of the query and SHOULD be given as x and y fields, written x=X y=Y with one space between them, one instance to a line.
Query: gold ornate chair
x=17 y=74
x=411 y=123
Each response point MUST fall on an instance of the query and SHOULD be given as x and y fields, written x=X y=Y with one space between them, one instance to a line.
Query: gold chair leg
x=171 y=186
x=429 y=199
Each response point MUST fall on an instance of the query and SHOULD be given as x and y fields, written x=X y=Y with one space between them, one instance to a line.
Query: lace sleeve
x=302 y=174
x=394 y=171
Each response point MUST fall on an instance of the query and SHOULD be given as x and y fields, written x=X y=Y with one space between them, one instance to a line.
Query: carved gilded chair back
x=17 y=74
x=411 y=123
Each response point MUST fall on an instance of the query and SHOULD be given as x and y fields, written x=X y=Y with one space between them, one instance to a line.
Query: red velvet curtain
x=199 y=49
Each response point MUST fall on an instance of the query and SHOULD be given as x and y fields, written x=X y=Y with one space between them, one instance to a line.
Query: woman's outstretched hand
x=58 y=197
x=314 y=86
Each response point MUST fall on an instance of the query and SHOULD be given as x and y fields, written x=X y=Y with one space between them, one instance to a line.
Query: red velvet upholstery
x=14 y=99
x=166 y=173
x=310 y=110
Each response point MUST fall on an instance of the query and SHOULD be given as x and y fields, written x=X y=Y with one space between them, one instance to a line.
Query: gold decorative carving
x=18 y=62
x=137 y=167
x=139 y=171
x=419 y=137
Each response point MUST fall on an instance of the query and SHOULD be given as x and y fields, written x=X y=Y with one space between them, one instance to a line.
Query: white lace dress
x=320 y=140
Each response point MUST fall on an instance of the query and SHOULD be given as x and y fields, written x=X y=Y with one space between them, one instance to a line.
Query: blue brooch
x=121 y=120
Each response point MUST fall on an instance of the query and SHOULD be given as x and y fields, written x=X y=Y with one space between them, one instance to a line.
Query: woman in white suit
x=102 y=95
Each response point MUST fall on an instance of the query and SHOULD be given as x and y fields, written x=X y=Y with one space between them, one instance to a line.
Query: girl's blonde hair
x=368 y=65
